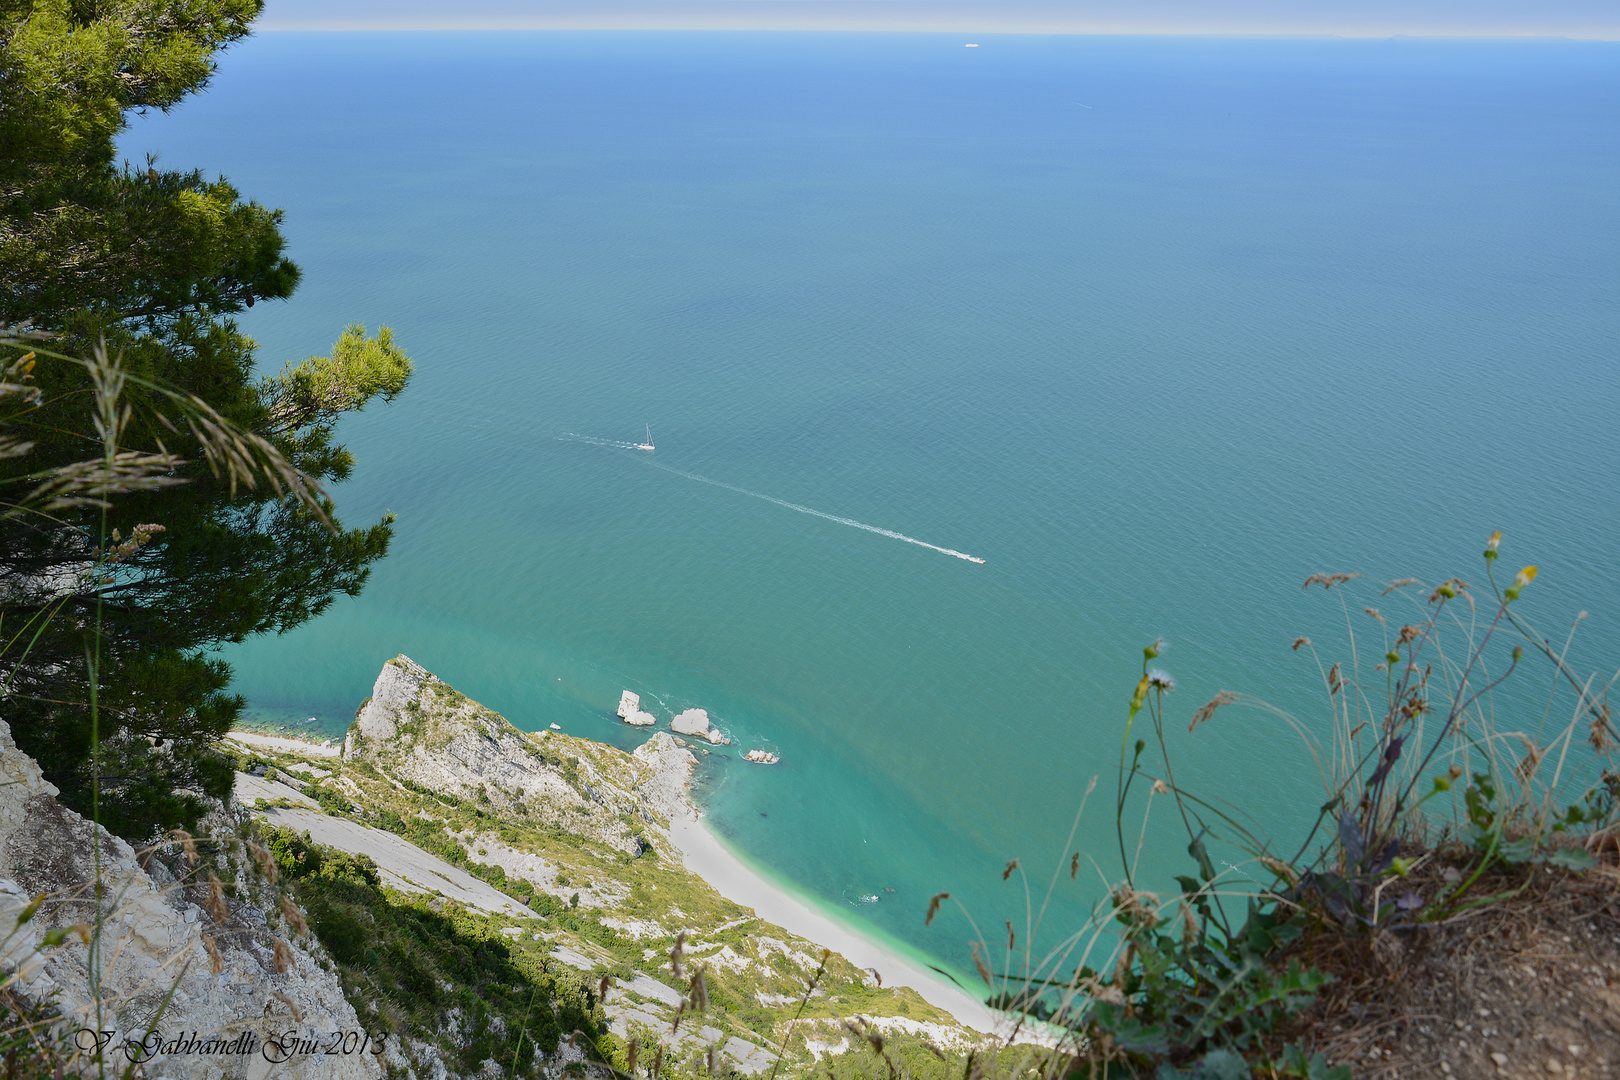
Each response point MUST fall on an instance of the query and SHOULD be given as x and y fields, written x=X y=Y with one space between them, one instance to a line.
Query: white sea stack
x=691 y=722
x=630 y=710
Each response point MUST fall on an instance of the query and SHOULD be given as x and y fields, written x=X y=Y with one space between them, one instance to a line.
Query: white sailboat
x=648 y=444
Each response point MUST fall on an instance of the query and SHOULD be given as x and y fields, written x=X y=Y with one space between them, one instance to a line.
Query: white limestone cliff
x=154 y=935
x=421 y=730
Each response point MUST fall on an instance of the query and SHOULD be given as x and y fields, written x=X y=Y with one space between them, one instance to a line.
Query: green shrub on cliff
x=430 y=971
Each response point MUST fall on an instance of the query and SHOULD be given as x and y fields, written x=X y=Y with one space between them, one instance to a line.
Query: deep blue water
x=1155 y=327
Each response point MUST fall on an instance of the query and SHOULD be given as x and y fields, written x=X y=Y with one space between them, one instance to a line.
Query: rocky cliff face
x=238 y=982
x=417 y=728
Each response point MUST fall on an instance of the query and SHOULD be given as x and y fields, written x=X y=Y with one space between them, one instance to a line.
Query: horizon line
x=554 y=26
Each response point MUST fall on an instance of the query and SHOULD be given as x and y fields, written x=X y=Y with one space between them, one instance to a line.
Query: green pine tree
x=154 y=264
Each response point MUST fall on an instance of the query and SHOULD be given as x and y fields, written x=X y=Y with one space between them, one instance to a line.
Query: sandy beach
x=707 y=857
x=285 y=745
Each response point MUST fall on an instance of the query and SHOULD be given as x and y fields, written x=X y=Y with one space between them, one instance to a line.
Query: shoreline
x=285 y=743
x=736 y=878
x=707 y=856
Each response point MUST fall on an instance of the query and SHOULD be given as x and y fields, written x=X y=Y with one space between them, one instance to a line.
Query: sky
x=1590 y=19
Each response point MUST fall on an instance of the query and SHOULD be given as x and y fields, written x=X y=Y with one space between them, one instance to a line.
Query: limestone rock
x=630 y=710
x=670 y=771
x=692 y=722
x=420 y=729
x=154 y=929
x=399 y=683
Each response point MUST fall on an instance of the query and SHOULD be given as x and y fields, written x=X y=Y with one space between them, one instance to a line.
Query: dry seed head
x=267 y=862
x=1327 y=581
x=602 y=988
x=216 y=899
x=676 y=953
x=297 y=1014
x=698 y=991
x=1074 y=866
x=1225 y=697
x=1602 y=733
x=295 y=918
x=1400 y=584
x=630 y=1053
x=188 y=844
x=215 y=961
x=878 y=975
x=1011 y=866
x=1301 y=642
x=978 y=962
x=1374 y=613
x=1531 y=760
x=1160 y=787
x=283 y=957
x=1189 y=927
x=1009 y=934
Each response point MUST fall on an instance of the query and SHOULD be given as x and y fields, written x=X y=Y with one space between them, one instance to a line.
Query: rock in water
x=691 y=722
x=630 y=710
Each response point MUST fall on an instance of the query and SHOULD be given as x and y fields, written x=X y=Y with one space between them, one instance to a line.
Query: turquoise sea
x=1154 y=327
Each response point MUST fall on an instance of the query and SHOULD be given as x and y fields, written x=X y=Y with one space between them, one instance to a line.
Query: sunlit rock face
x=417 y=728
x=156 y=928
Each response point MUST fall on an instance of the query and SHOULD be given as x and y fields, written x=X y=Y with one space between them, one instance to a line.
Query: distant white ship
x=648 y=444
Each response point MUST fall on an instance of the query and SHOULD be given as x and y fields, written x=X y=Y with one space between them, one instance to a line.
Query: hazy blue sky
x=1564 y=18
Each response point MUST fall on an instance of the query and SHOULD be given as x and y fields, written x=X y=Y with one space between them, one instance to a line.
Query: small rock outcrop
x=664 y=788
x=234 y=983
x=420 y=729
x=691 y=722
x=696 y=722
x=630 y=710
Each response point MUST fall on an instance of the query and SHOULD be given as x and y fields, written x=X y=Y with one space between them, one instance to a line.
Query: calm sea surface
x=1156 y=328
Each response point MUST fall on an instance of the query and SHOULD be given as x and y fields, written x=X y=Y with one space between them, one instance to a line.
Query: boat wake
x=851 y=522
x=617 y=444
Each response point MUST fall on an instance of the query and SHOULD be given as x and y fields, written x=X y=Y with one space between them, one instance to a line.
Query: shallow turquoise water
x=1156 y=328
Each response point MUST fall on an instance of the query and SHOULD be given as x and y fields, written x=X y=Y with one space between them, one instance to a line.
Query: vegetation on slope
x=617 y=912
x=424 y=970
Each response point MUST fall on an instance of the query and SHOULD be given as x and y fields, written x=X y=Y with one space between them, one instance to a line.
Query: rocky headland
x=545 y=862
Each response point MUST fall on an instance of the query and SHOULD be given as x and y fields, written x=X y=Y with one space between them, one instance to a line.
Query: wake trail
x=851 y=522
x=569 y=436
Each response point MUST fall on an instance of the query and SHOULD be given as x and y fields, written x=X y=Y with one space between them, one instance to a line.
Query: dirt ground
x=1527 y=987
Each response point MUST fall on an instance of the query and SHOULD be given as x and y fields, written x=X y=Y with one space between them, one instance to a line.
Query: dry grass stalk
x=216 y=900
x=283 y=957
x=294 y=917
